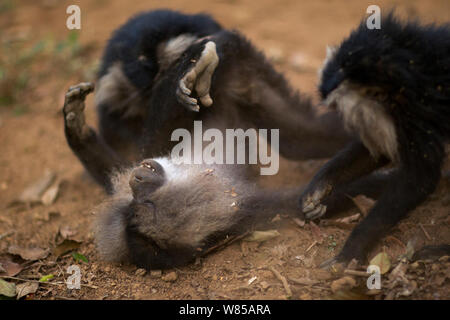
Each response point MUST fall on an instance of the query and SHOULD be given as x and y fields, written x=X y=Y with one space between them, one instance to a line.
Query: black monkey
x=135 y=58
x=159 y=72
x=392 y=87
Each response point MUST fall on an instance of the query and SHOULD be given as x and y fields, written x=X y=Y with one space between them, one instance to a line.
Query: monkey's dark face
x=363 y=112
x=364 y=78
x=356 y=80
x=385 y=58
x=145 y=179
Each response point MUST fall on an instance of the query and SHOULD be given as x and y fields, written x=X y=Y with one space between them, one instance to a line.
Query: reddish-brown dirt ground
x=32 y=140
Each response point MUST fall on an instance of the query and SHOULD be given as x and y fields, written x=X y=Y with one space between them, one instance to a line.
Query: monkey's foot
x=311 y=206
x=74 y=107
x=199 y=78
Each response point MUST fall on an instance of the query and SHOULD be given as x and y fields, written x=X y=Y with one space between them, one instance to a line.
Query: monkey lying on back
x=392 y=87
x=160 y=72
x=172 y=213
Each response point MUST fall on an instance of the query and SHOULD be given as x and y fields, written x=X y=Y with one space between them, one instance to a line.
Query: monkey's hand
x=312 y=197
x=74 y=108
x=199 y=78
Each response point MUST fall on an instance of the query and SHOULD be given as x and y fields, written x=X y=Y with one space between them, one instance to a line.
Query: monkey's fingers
x=74 y=107
x=75 y=96
x=199 y=78
x=205 y=67
x=187 y=101
x=184 y=91
x=312 y=199
x=79 y=91
x=316 y=213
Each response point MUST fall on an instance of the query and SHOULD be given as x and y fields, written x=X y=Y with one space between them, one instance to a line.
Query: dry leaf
x=259 y=236
x=34 y=192
x=26 y=288
x=28 y=253
x=382 y=261
x=65 y=247
x=50 y=194
x=363 y=203
x=8 y=267
x=7 y=289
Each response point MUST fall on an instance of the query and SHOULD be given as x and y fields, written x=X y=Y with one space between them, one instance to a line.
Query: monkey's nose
x=141 y=174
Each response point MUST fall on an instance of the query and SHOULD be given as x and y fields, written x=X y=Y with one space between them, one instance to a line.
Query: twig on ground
x=312 y=245
x=356 y=273
x=46 y=282
x=425 y=232
x=283 y=281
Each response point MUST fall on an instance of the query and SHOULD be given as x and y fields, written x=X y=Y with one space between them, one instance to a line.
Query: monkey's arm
x=406 y=189
x=98 y=159
x=262 y=96
x=371 y=186
x=348 y=165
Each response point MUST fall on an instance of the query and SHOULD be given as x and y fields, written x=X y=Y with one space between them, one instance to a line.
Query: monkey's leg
x=371 y=186
x=250 y=89
x=199 y=78
x=406 y=189
x=349 y=164
x=98 y=159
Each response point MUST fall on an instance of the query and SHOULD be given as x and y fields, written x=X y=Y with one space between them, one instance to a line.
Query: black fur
x=134 y=46
x=141 y=35
x=247 y=92
x=138 y=115
x=405 y=69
